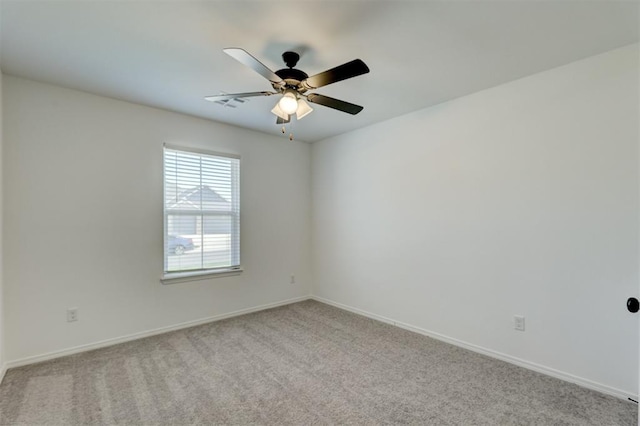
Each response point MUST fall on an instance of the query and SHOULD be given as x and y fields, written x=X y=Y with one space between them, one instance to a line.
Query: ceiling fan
x=293 y=84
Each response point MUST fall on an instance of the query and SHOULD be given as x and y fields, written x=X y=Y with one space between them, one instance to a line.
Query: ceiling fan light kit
x=280 y=113
x=293 y=84
x=304 y=109
x=289 y=102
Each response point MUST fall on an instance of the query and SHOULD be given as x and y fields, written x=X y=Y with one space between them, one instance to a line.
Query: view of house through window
x=201 y=211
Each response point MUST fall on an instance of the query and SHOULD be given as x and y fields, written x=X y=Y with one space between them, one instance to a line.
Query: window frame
x=170 y=277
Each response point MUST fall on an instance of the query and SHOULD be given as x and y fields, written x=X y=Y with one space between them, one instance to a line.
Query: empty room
x=319 y=212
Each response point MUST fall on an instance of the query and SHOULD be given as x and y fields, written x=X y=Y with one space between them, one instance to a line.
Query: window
x=201 y=213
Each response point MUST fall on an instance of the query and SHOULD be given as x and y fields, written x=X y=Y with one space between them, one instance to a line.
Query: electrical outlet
x=72 y=314
x=518 y=322
x=293 y=279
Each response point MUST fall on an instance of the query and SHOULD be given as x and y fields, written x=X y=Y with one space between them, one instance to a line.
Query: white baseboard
x=488 y=352
x=135 y=336
x=475 y=348
x=3 y=370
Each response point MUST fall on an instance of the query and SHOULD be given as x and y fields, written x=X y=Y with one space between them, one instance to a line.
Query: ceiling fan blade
x=245 y=58
x=280 y=120
x=334 y=103
x=339 y=73
x=228 y=96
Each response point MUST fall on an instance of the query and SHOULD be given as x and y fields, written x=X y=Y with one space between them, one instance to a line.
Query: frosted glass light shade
x=279 y=112
x=303 y=109
x=289 y=102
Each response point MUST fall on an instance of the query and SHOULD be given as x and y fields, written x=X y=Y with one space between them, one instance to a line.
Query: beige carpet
x=302 y=364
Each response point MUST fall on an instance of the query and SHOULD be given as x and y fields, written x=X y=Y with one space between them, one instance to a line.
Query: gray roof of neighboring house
x=196 y=198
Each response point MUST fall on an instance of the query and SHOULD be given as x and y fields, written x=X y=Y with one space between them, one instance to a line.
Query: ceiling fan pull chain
x=291 y=128
x=283 y=129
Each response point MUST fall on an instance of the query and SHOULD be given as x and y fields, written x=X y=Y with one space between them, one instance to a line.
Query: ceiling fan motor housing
x=292 y=77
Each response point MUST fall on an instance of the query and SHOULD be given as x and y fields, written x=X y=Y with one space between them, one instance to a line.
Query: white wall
x=83 y=219
x=521 y=199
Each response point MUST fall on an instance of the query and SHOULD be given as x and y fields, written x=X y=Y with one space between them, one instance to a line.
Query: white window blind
x=201 y=212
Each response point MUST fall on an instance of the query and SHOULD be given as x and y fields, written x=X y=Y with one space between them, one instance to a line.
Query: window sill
x=179 y=277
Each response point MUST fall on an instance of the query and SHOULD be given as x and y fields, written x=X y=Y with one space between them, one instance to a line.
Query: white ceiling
x=168 y=54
